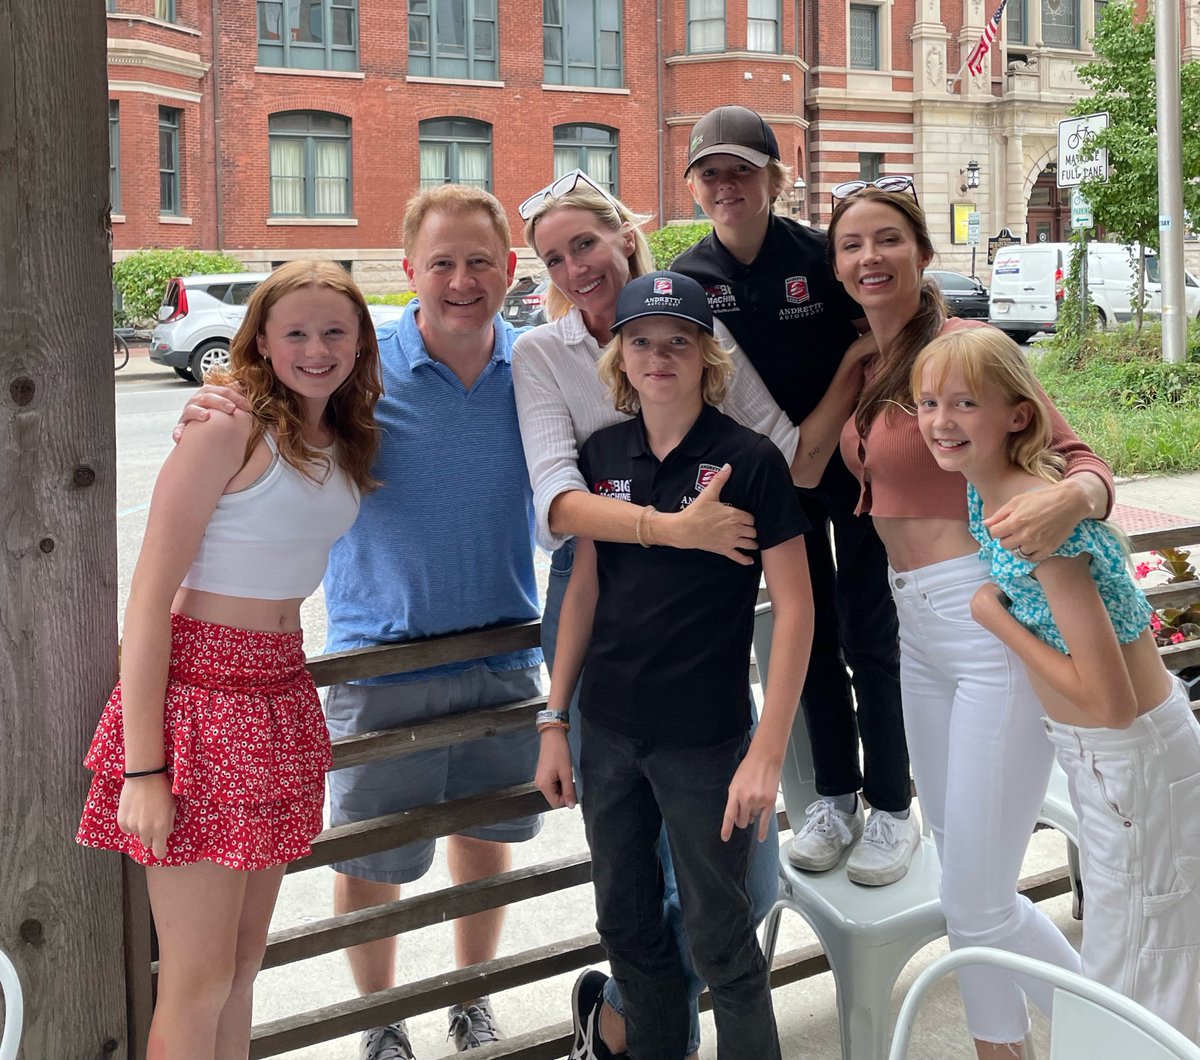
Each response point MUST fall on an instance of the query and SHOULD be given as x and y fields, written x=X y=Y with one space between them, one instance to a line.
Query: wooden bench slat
x=408 y=914
x=1165 y=537
x=1174 y=595
x=385 y=659
x=364 y=747
x=426 y=995
x=422 y=822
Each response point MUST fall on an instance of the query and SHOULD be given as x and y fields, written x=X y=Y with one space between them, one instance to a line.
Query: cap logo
x=697 y=140
x=662 y=285
x=796 y=289
x=704 y=475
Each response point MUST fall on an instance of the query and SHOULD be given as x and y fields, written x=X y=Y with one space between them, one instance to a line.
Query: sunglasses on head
x=557 y=188
x=895 y=185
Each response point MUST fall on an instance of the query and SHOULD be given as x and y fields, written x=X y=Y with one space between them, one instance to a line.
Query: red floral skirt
x=246 y=748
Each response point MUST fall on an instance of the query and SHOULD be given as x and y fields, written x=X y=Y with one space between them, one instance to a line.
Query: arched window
x=456 y=151
x=592 y=148
x=310 y=164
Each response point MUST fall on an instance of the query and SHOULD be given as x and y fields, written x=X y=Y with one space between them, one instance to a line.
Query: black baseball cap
x=732 y=130
x=663 y=294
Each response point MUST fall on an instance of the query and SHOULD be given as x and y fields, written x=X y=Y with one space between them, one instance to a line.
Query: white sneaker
x=886 y=849
x=825 y=835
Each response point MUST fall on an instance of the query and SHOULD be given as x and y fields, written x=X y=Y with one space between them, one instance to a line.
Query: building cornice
x=150 y=56
x=737 y=57
x=175 y=27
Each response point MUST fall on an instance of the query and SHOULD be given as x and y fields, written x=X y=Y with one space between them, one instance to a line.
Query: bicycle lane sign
x=1074 y=135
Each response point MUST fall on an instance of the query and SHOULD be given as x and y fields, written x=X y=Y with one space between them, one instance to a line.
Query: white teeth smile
x=316 y=372
x=874 y=281
x=590 y=287
x=946 y=443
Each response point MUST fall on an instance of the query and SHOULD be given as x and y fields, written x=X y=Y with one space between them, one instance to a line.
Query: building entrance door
x=1049 y=217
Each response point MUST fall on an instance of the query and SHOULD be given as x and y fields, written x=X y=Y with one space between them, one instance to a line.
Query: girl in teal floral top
x=1121 y=724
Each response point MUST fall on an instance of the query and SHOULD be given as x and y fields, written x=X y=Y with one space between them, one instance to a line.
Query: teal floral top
x=1126 y=603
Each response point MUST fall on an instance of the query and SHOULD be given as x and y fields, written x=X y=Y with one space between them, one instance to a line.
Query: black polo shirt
x=790 y=316
x=670 y=646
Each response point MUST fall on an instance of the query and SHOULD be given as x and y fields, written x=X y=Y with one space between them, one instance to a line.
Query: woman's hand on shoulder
x=861 y=350
x=205 y=401
x=147 y=810
x=711 y=525
x=1035 y=524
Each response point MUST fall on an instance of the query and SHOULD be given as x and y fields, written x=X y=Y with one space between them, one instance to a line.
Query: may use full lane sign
x=1074 y=136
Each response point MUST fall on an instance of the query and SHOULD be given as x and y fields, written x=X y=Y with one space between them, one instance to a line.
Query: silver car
x=200 y=315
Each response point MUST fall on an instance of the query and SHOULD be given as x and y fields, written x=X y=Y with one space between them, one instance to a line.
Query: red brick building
x=286 y=128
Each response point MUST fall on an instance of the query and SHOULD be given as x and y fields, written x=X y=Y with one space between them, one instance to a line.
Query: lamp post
x=971 y=173
x=799 y=195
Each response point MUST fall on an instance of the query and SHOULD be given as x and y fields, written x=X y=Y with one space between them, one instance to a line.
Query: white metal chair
x=14 y=1008
x=1089 y=1021
x=867 y=933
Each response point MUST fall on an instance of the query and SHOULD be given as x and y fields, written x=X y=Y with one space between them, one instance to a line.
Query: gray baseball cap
x=732 y=130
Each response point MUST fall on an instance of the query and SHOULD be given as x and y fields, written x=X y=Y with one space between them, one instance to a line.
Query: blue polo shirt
x=446 y=544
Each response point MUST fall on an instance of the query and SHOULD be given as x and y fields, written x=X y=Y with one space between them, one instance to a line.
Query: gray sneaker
x=825 y=835
x=473 y=1025
x=386 y=1043
x=886 y=849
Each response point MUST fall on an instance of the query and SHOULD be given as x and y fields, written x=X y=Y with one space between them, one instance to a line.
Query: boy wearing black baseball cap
x=769 y=282
x=666 y=717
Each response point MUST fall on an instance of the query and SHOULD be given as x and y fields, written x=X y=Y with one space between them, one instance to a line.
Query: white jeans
x=1137 y=794
x=981 y=762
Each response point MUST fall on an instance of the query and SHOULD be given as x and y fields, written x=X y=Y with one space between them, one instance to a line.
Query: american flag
x=975 y=59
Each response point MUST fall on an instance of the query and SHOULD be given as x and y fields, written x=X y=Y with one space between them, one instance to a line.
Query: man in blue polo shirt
x=445 y=545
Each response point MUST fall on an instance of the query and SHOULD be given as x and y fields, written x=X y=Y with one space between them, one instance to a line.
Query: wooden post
x=60 y=905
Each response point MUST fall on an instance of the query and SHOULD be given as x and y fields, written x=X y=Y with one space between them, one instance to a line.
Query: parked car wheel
x=185 y=374
x=210 y=355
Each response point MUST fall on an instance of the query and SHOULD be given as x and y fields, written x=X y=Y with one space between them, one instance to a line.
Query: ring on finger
x=1020 y=553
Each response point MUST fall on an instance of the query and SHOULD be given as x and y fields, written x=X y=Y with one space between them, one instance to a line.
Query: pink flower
x=1155 y=621
x=1141 y=570
x=1177 y=638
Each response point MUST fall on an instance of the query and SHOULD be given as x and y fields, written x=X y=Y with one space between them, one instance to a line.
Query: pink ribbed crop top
x=271 y=540
x=900 y=479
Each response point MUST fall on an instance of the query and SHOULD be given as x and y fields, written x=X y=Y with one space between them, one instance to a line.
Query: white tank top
x=271 y=540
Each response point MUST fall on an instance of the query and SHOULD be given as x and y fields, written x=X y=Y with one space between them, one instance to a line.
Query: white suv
x=199 y=316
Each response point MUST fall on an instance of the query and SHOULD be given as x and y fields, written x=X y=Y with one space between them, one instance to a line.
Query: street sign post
x=973 y=223
x=1081 y=210
x=1074 y=135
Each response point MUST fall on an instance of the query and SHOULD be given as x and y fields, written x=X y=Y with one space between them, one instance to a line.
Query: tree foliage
x=141 y=278
x=1121 y=78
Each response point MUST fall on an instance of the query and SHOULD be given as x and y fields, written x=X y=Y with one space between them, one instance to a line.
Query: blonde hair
x=714 y=379
x=989 y=359
x=612 y=214
x=455 y=200
x=777 y=177
x=350 y=411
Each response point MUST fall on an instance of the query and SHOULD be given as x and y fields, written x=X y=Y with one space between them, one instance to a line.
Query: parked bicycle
x=120 y=352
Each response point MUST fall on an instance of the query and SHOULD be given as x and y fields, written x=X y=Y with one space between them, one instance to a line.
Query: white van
x=1028 y=282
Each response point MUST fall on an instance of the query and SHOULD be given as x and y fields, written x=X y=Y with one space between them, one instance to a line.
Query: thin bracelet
x=544 y=726
x=145 y=773
x=643 y=517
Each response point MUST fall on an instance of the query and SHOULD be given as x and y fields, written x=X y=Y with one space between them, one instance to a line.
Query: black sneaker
x=473 y=1025
x=386 y=1043
x=587 y=998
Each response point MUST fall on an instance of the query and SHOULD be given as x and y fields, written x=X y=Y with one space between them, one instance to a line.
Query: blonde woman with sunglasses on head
x=979 y=753
x=592 y=245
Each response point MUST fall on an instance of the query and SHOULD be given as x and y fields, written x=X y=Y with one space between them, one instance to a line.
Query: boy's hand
x=861 y=349
x=554 y=777
x=709 y=525
x=206 y=400
x=752 y=794
x=989 y=606
x=147 y=810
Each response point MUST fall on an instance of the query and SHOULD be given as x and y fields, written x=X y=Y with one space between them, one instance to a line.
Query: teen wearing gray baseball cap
x=733 y=130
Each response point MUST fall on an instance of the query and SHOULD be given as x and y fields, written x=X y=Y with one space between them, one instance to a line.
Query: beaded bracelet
x=552 y=719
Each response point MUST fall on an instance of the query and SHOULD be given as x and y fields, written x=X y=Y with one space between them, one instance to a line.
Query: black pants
x=632 y=789
x=856 y=628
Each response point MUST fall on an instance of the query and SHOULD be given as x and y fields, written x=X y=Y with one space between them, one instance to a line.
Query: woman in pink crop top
x=979 y=752
x=209 y=760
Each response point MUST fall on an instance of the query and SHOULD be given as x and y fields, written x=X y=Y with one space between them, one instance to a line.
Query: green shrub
x=393 y=298
x=1131 y=407
x=141 y=278
x=668 y=242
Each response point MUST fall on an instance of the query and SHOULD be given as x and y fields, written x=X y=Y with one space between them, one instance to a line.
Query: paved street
x=149 y=398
